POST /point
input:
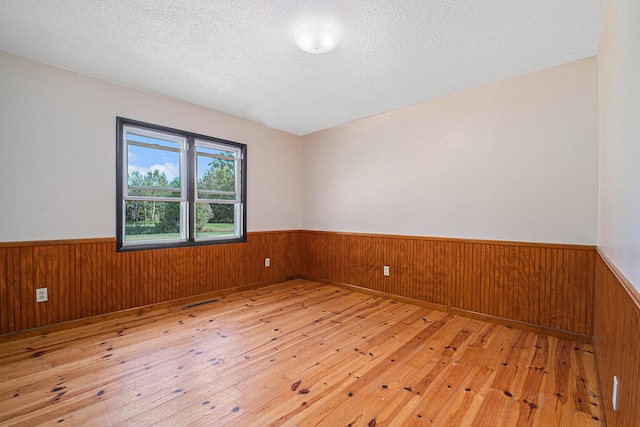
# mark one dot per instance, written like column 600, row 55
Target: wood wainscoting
column 88, row 277
column 540, row 285
column 617, row 342
column 547, row 285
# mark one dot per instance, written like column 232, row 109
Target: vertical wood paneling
column 26, row 278
column 546, row 285
column 121, row 286
column 88, row 277
column 4, row 290
column 591, row 286
column 11, row 288
column 561, row 267
column 6, row 277
column 538, row 284
column 617, row 343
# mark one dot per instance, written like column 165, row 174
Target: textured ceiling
column 239, row 56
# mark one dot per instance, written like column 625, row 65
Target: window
column 177, row 188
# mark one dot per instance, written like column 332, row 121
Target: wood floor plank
column 298, row 353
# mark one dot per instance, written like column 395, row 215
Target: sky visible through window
column 144, row 159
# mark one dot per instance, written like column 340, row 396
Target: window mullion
column 154, row 146
column 219, row 202
column 153, row 199
column 238, row 182
column 191, row 189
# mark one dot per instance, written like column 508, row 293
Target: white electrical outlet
column 614, row 397
column 386, row 270
column 42, row 295
column 267, row 262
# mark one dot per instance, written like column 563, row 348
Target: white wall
column 515, row 160
column 57, row 153
column 619, row 60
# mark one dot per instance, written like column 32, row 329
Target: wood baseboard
column 48, row 329
column 567, row 335
column 44, row 330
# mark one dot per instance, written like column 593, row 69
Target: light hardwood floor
column 298, row 354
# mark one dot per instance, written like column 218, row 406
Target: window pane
column 150, row 170
column 217, row 177
column 215, row 219
column 152, row 221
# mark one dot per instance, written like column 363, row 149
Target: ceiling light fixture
column 317, row 38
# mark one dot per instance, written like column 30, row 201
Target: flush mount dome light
column 316, row 38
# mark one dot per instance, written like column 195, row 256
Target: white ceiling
column 239, row 56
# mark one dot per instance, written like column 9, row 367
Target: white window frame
column 237, row 200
